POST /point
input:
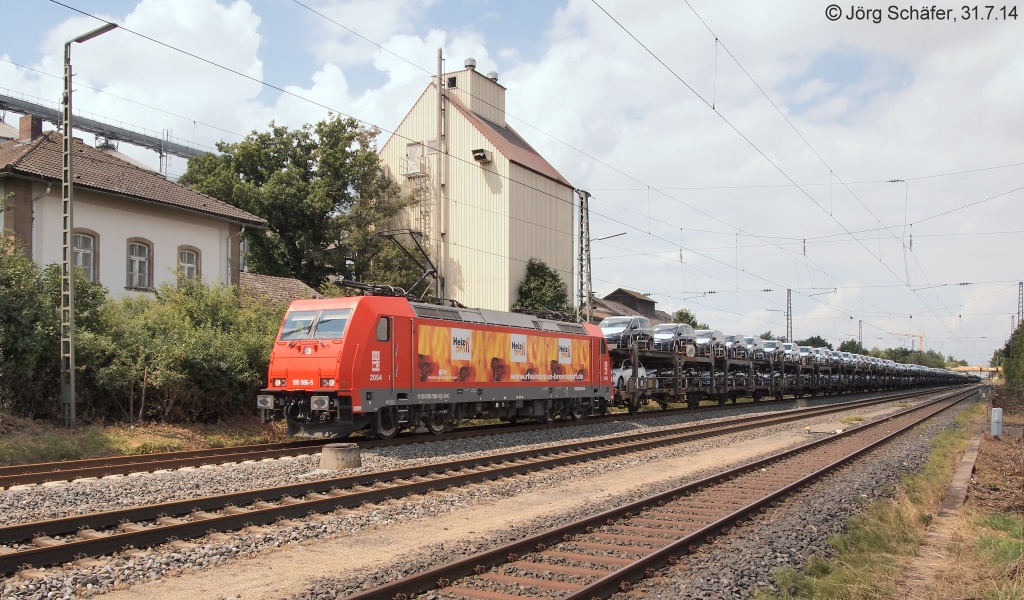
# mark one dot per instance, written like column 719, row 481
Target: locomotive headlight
column 319, row 402
column 279, row 382
column 327, row 382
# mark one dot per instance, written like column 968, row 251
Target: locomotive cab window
column 331, row 324
column 315, row 324
column 297, row 324
column 383, row 329
column 604, row 347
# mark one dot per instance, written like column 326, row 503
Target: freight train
column 384, row 363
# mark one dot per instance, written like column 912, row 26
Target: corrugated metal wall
column 541, row 224
column 483, row 96
column 477, row 224
column 493, row 225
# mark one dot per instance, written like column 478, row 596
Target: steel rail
column 342, row 493
column 620, row 579
column 120, row 465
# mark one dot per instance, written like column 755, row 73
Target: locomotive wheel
column 436, row 422
column 576, row 409
column 386, row 424
column 549, row 413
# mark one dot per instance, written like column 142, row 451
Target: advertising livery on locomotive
column 385, row 363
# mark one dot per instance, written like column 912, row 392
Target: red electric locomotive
column 385, row 363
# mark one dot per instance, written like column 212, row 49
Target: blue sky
column 708, row 197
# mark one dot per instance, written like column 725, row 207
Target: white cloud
column 913, row 99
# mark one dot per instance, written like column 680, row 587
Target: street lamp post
column 67, row 290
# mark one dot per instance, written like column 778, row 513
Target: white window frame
column 190, row 271
column 85, row 258
column 140, row 265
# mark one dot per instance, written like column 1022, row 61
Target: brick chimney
column 30, row 127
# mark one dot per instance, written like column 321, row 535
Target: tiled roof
column 510, row 143
column 274, row 290
column 612, row 307
column 97, row 170
column 636, row 295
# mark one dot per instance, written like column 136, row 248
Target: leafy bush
column 192, row 353
column 30, row 330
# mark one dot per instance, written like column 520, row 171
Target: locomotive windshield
column 315, row 324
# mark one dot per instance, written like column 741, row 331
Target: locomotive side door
column 403, row 356
column 382, row 355
column 601, row 362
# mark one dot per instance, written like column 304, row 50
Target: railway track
column 119, row 465
column 608, row 553
column 50, row 542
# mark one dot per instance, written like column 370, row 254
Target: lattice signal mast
column 789, row 316
column 584, row 311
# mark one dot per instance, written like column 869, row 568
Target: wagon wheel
column 692, row 400
column 386, row 423
column 634, row 404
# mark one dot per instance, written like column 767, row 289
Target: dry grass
column 24, row 441
column 850, row 420
column 988, row 546
column 986, row 557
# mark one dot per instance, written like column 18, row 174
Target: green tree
column 997, row 358
column 768, row 335
column 685, row 315
column 320, row 189
column 853, row 346
column 1013, row 360
column 952, row 361
column 815, row 341
column 542, row 289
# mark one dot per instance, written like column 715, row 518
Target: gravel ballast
column 118, row 572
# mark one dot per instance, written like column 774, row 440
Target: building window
column 85, row 250
column 188, row 262
column 140, row 264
